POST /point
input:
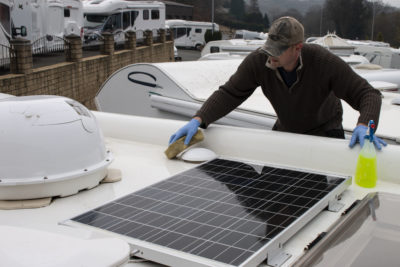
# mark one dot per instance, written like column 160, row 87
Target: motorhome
column 190, row 34
column 120, row 16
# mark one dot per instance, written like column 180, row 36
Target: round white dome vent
column 50, row 146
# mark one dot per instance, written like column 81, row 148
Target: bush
column 209, row 36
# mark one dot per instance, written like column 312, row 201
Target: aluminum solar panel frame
column 221, row 213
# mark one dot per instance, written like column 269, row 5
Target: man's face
column 287, row 59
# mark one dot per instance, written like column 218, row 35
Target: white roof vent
column 50, row 146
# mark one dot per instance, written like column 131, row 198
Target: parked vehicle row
column 35, row 19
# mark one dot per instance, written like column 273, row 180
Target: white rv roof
column 237, row 45
column 179, row 22
column 109, row 6
column 138, row 144
column 331, row 41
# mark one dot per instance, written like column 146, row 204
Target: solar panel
column 220, row 213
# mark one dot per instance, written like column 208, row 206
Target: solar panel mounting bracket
column 334, row 205
column 277, row 257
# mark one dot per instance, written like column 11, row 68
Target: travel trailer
column 120, row 16
column 190, row 34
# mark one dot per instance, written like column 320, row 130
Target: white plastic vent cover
column 50, row 146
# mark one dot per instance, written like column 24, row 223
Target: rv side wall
column 121, row 21
column 189, row 35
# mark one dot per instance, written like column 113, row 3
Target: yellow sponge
column 178, row 146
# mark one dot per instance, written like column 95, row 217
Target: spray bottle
column 366, row 166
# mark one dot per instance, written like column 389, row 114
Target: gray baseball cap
column 283, row 33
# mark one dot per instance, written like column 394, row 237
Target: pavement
column 189, row 54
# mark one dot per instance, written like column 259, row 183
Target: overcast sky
column 395, row 3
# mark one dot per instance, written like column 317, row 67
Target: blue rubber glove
column 359, row 136
column 189, row 130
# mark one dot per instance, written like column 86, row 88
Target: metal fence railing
column 6, row 54
column 49, row 44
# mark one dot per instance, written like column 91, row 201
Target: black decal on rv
column 154, row 85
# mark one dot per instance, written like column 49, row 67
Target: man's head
column 283, row 33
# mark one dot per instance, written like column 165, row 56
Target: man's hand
column 189, row 130
column 359, row 136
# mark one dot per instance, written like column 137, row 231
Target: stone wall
column 81, row 79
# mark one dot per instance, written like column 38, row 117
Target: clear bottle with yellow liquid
column 366, row 175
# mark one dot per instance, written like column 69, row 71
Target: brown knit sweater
column 311, row 105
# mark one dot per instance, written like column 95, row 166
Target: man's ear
column 299, row 46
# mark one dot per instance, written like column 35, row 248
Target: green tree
column 254, row 8
column 314, row 22
column 349, row 17
column 379, row 37
column 237, row 9
column 266, row 21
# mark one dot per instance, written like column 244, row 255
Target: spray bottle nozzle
column 371, row 130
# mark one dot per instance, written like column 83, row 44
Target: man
column 303, row 82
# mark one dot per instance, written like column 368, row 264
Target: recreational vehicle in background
column 231, row 47
column 52, row 19
column 120, row 16
column 378, row 53
column 250, row 35
column 190, row 34
column 73, row 17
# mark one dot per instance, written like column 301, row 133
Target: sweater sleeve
column 355, row 90
column 230, row 95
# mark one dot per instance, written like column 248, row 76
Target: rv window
column 113, row 23
column 188, row 31
column 214, row 49
column 155, row 14
column 126, row 20
column 145, row 14
column 134, row 15
column 96, row 18
column 67, row 13
column 198, row 31
column 180, row 32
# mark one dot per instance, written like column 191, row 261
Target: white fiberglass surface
column 139, row 154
